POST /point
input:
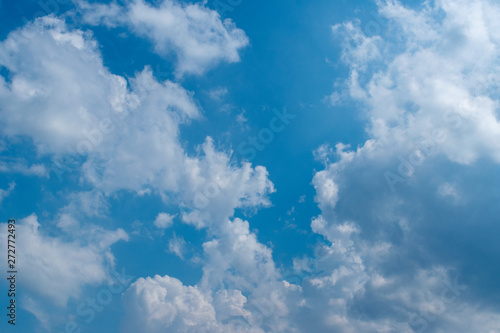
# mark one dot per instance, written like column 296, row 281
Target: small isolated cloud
column 241, row 119
column 447, row 190
column 164, row 220
column 177, row 246
column 6, row 192
column 218, row 93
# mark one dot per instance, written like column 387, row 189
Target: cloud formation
column 194, row 33
column 57, row 269
column 428, row 92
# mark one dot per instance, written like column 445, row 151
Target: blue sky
column 286, row 166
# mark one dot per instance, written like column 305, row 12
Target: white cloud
column 56, row 270
column 164, row 220
column 68, row 223
column 97, row 118
column 326, row 190
column 218, row 93
column 5, row 193
column 450, row 191
column 177, row 246
column 240, row 250
column 22, row 167
column 240, row 291
column 241, row 119
column 128, row 136
column 123, row 136
column 50, row 68
column 379, row 264
column 195, row 33
column 323, row 153
column 165, row 303
column 358, row 49
column 86, row 203
column 217, row 188
column 387, row 257
column 428, row 88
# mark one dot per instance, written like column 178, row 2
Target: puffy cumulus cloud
column 55, row 269
column 57, row 87
column 207, row 187
column 126, row 135
column 398, row 253
column 363, row 284
column 143, row 148
column 195, row 33
column 236, row 260
column 164, row 303
column 240, row 291
column 119, row 134
column 164, row 220
column 336, row 279
column 240, row 281
column 59, row 94
column 439, row 79
column 216, row 187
